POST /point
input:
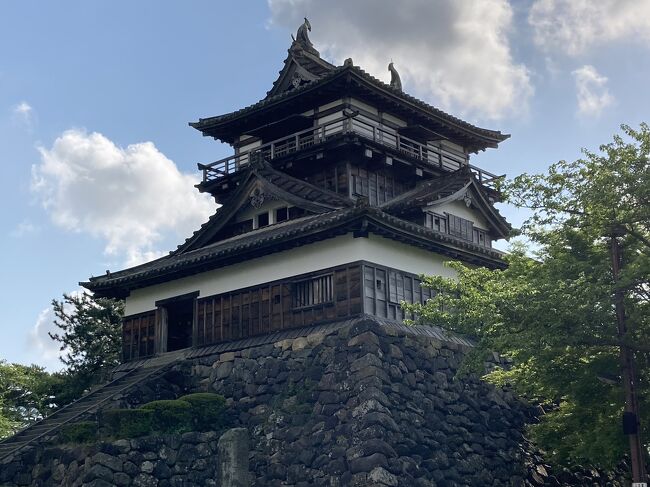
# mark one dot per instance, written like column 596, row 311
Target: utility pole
column 631, row 415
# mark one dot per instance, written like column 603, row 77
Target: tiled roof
column 268, row 239
column 285, row 187
column 240, row 243
column 302, row 188
column 431, row 189
column 496, row 136
column 309, row 61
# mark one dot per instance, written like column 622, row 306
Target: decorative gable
column 263, row 188
column 302, row 65
column 458, row 194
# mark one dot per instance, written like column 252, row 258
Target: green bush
column 81, row 432
column 170, row 416
column 127, row 423
column 207, row 410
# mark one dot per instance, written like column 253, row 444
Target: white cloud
column 455, row 54
column 591, row 90
column 46, row 350
column 23, row 229
column 131, row 197
column 23, row 113
column 575, row 26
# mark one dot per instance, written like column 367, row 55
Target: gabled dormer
column 456, row 204
column 263, row 197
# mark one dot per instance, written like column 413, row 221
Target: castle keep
column 341, row 191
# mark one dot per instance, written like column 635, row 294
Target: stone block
column 233, row 450
column 381, row 476
column 367, row 464
column 161, row 470
column 367, row 360
column 97, row 483
column 367, row 407
column 121, row 479
column 227, row 357
column 145, row 480
column 98, row 471
column 122, row 446
column 130, row 468
column 299, row 344
column 367, row 339
column 114, row 463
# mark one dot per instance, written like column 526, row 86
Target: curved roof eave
column 490, row 138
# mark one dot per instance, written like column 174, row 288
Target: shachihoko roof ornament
column 395, row 80
column 302, row 37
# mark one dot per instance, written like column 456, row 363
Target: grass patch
column 192, row 412
column 169, row 416
column 81, row 432
column 207, row 411
column 127, row 423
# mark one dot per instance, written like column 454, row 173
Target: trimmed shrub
column 127, row 423
column 207, row 410
column 81, row 432
column 169, row 416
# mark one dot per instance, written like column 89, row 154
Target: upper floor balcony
column 437, row 155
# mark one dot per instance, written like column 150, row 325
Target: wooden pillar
column 161, row 330
column 195, row 322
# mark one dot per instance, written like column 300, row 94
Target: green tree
column 24, row 396
column 90, row 341
column 554, row 314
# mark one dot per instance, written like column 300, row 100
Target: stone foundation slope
column 361, row 402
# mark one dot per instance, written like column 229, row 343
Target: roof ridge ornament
column 395, row 81
column 302, row 38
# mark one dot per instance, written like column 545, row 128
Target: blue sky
column 98, row 161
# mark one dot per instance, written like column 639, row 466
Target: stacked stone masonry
column 360, row 405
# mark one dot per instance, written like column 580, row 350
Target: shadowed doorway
column 178, row 313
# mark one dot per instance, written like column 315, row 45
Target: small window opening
column 281, row 214
column 312, row 292
column 262, row 220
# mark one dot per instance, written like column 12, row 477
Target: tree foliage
column 24, row 396
column 554, row 314
column 90, row 337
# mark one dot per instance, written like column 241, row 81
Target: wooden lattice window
column 312, row 292
column 482, row 238
column 436, row 222
column 460, row 227
column 138, row 335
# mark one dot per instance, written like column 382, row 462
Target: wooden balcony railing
column 442, row 157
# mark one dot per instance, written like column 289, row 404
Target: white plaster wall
column 369, row 108
column 452, row 145
column 250, row 146
column 327, row 106
column 308, row 258
column 328, row 118
column 390, row 118
column 249, row 212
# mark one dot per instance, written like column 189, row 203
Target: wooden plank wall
column 138, row 336
column 386, row 288
column 333, row 178
column 271, row 307
column 379, row 186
